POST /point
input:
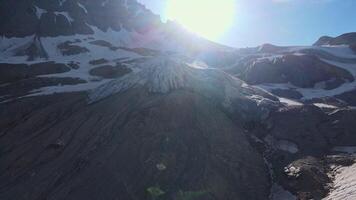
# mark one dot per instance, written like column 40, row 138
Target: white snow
column 66, row 15
column 82, row 7
column 159, row 74
column 162, row 74
column 318, row 91
column 344, row 184
column 283, row 145
column 66, row 88
column 323, row 105
column 40, row 12
column 289, row 102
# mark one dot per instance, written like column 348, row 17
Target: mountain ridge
column 114, row 104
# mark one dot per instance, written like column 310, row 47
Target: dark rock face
column 125, row 146
column 302, row 71
column 353, row 47
column 341, row 128
column 50, row 18
column 347, row 38
column 108, row 71
column 104, row 43
column 68, row 48
column 300, row 125
column 32, row 50
column 26, row 86
column 349, row 97
column 15, row 72
column 98, row 61
column 314, row 131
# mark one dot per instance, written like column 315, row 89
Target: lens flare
column 208, row 18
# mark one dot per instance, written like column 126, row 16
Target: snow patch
column 344, row 184
column 82, row 7
column 323, row 105
column 283, row 145
column 289, row 102
column 40, row 12
column 66, row 88
column 66, row 15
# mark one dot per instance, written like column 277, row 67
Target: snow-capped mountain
column 80, row 34
column 101, row 100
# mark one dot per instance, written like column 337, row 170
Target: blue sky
column 282, row 22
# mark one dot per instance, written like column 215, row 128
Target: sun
column 208, row 18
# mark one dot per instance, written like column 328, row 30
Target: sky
column 279, row 22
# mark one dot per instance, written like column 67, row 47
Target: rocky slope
column 101, row 100
column 344, row 39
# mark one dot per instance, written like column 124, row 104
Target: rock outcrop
column 344, row 39
column 302, row 71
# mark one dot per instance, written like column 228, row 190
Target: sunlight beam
column 208, row 18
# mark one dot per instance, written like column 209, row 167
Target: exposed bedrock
column 16, row 72
column 302, row 71
column 129, row 146
column 344, row 39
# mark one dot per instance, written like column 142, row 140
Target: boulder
column 307, row 178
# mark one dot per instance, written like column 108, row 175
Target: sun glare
column 208, row 18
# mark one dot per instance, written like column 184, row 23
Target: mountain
column 101, row 100
column 344, row 39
